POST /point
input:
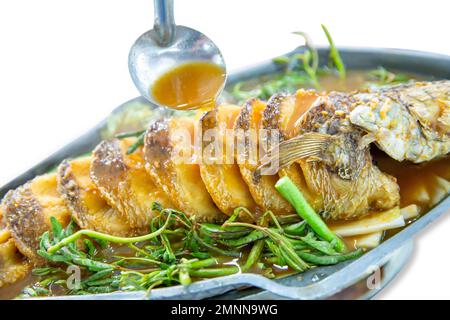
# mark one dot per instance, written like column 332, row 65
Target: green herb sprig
column 335, row 57
column 140, row 135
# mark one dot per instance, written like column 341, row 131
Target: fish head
column 409, row 121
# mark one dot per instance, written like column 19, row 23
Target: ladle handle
column 164, row 21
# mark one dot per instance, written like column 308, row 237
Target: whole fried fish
column 323, row 146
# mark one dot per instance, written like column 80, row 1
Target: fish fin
column 366, row 140
column 308, row 145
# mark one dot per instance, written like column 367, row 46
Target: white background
column 63, row 68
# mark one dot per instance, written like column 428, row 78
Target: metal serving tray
column 318, row 283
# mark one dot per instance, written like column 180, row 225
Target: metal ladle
column 167, row 46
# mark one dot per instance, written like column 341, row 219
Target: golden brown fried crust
column 208, row 121
column 262, row 189
column 244, row 118
column 271, row 115
column 29, row 209
column 108, row 171
column 26, row 221
column 108, row 168
column 5, row 234
column 124, row 182
column 157, row 153
column 70, row 191
column 223, row 180
column 13, row 266
column 2, row 215
column 157, row 140
column 272, row 120
column 177, row 174
column 344, row 175
column 84, row 201
column 345, row 155
column 339, row 179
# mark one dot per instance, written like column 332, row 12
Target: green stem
column 184, row 277
column 288, row 219
column 203, row 263
column 106, row 237
column 129, row 134
column 139, row 142
column 288, row 252
column 214, row 230
column 139, row 250
column 251, row 237
column 329, row 260
column 136, row 259
column 294, row 196
column 254, row 254
column 283, row 243
column 236, row 213
column 296, row 228
column 214, row 248
column 214, row 272
column 334, row 54
column 183, row 274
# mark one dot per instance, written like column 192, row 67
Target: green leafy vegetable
column 177, row 250
column 140, row 135
column 304, row 70
column 335, row 57
column 382, row 77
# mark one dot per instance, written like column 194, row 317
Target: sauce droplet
column 192, row 85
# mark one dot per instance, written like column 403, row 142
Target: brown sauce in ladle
column 193, row 85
